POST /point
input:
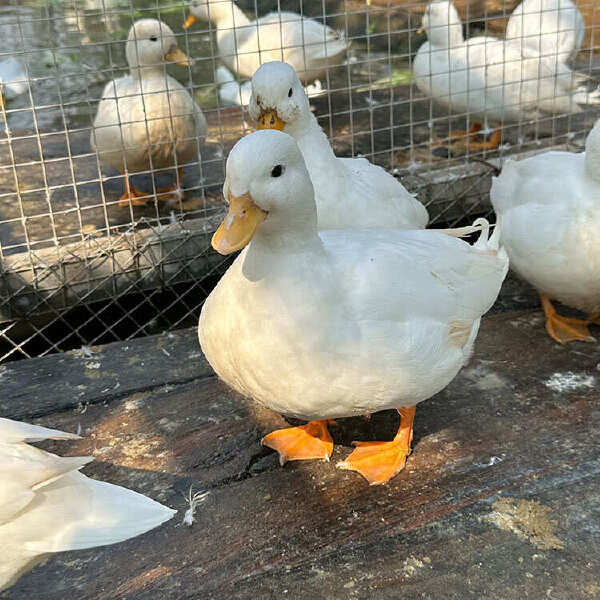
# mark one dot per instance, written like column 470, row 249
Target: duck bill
column 189, row 21
column 179, row 57
column 269, row 120
column 239, row 226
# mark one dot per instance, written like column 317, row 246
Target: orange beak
column 239, row 225
column 189, row 21
column 179, row 57
column 269, row 120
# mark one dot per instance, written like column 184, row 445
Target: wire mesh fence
column 109, row 192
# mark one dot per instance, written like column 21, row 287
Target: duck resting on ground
column 339, row 323
column 48, row 506
column 552, row 29
column 490, row 79
column 244, row 45
column 148, row 120
column 550, row 210
column 351, row 193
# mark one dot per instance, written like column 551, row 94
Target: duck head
column 268, row 189
column 442, row 24
column 209, row 10
column 151, row 43
column 278, row 99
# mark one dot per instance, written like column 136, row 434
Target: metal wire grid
column 64, row 207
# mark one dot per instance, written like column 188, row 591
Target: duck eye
column 290, row 93
column 153, row 38
column 276, row 171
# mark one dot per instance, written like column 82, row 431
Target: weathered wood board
column 500, row 498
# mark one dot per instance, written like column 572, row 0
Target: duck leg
column 492, row 143
column 172, row 192
column 301, row 443
column 461, row 134
column 564, row 329
column 378, row 462
column 131, row 195
column 594, row 318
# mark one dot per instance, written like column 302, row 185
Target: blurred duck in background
column 13, row 79
column 309, row 46
column 550, row 210
column 48, row 506
column 351, row 193
column 551, row 29
column 148, row 120
column 490, row 79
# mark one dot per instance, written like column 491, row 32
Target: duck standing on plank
column 48, row 506
column 351, row 193
column 309, row 46
column 148, row 120
column 320, row 325
column 550, row 210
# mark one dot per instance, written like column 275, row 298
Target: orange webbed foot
column 134, row 197
column 594, row 318
column 172, row 192
column 565, row 329
column 307, row 442
column 378, row 462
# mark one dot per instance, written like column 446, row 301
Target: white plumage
column 343, row 322
column 550, row 210
column 244, row 44
column 351, row 193
column 491, row 79
column 148, row 120
column 47, row 506
column 13, row 78
column 553, row 29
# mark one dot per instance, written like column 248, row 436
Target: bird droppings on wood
column 528, row 519
column 569, row 381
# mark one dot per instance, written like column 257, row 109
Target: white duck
column 13, row 79
column 550, row 210
column 47, row 506
column 148, row 120
column 341, row 322
column 233, row 93
column 488, row 78
column 351, row 193
column 244, row 45
column 553, row 29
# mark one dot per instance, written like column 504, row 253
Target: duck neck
column 300, row 245
column 139, row 73
column 227, row 15
column 313, row 143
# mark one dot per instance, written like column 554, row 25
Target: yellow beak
column 189, row 21
column 178, row 57
column 420, row 31
column 269, row 120
column 239, row 225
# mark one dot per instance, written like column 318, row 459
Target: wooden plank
column 499, row 499
column 99, row 374
column 100, row 268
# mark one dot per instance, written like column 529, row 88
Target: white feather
column 349, row 192
column 550, row 210
column 309, row 46
column 341, row 322
column 47, row 506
